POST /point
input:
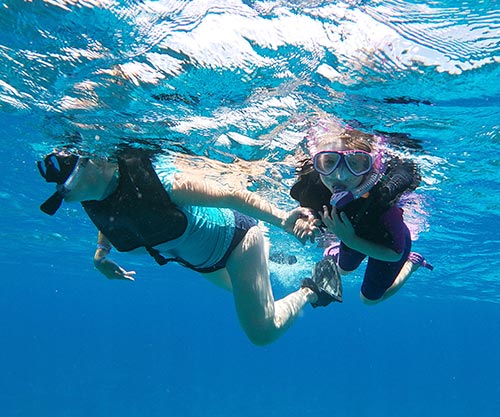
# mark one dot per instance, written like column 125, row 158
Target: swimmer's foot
column 419, row 261
column 325, row 282
column 332, row 250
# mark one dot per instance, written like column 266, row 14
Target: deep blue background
column 76, row 344
column 73, row 344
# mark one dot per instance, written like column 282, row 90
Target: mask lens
column 54, row 163
column 359, row 163
column 42, row 168
column 57, row 167
column 51, row 167
column 326, row 162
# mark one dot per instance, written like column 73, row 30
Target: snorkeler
column 138, row 206
column 356, row 194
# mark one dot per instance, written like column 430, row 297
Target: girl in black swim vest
column 354, row 191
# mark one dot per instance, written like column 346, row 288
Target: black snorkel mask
column 57, row 167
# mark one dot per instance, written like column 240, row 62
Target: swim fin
column 325, row 282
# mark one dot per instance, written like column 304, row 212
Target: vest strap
column 158, row 257
column 161, row 260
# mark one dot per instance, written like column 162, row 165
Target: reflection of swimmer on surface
column 184, row 218
column 355, row 193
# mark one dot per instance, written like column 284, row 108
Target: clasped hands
column 305, row 226
column 302, row 224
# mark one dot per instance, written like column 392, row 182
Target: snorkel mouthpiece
column 52, row 204
column 341, row 197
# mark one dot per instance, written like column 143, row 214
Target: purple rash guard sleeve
column 393, row 221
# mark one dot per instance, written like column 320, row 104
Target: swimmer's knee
column 261, row 330
column 260, row 337
column 370, row 301
column 260, row 341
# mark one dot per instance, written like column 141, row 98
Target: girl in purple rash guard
column 355, row 193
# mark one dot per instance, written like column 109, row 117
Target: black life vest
column 364, row 213
column 139, row 213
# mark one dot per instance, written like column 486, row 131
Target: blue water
column 234, row 82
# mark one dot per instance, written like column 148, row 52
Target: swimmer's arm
column 373, row 250
column 342, row 228
column 103, row 247
column 106, row 266
column 196, row 191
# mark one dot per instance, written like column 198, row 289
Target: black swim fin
column 325, row 282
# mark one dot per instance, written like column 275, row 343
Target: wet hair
column 328, row 129
column 323, row 131
column 355, row 139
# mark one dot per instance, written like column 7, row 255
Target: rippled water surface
column 236, row 82
column 235, row 79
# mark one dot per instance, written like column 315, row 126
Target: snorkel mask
column 62, row 168
column 358, row 162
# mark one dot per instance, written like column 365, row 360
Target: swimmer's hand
column 302, row 224
column 112, row 270
column 339, row 225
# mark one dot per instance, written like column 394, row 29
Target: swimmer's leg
column 413, row 262
column 262, row 319
column 220, row 278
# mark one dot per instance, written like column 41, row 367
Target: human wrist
column 102, row 250
column 282, row 218
column 103, row 247
column 99, row 259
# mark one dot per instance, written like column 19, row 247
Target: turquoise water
column 235, row 82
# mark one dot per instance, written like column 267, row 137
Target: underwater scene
column 231, row 89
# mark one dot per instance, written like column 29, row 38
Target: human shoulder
column 166, row 169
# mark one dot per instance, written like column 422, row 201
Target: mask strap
column 66, row 187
